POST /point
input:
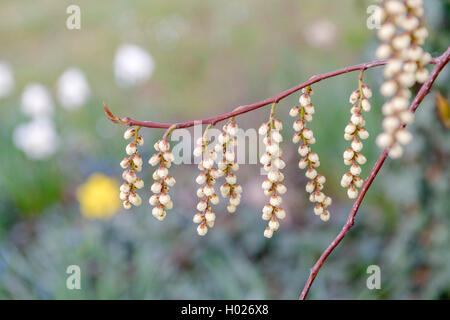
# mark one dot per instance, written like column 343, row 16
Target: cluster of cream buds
column 160, row 198
column 402, row 34
column 310, row 160
column 355, row 131
column 227, row 141
column 206, row 217
column 273, row 163
column 132, row 164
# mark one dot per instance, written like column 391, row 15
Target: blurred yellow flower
column 99, row 197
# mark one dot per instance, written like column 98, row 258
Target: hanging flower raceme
column 356, row 132
column 402, row 34
column 132, row 164
column 207, row 178
column 227, row 142
column 310, row 160
column 160, row 200
column 272, row 161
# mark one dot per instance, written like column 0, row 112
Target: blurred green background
column 211, row 56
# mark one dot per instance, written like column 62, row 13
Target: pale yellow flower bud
column 357, row 145
column 231, row 208
column 325, row 216
column 274, row 224
column 135, row 199
column 129, row 133
column 352, row 192
column 125, row 163
column 201, row 206
column 202, row 230
column 126, row 205
column 131, row 148
column 268, row 233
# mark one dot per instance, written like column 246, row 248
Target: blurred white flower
column 132, row 65
column 321, row 34
column 6, row 79
column 37, row 138
column 36, row 100
column 73, row 89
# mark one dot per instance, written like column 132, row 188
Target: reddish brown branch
column 246, row 108
column 424, row 90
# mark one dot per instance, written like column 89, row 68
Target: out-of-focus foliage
column 211, row 56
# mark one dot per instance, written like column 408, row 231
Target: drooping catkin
column 402, row 34
column 227, row 142
column 356, row 132
column 134, row 164
column 160, row 200
column 207, row 178
column 272, row 161
column 310, row 160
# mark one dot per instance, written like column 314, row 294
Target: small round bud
column 318, row 209
column 164, row 198
column 348, row 154
column 303, row 163
column 313, row 157
column 125, row 163
column 154, row 160
column 263, row 129
column 354, row 97
column 274, row 224
column 361, row 159
column 198, row 151
column 275, row 200
column 139, row 183
column 384, row 140
column 135, row 199
column 129, row 133
column 303, row 150
column 403, row 136
column 350, row 128
column 352, row 192
column 310, row 187
column 280, row 213
column 202, row 230
column 294, row 111
column 210, row 216
column 157, row 211
column 268, row 233
column 395, row 151
column 356, row 145
column 363, row 133
column 201, row 206
column 131, row 148
column 153, row 200
column 231, row 208
column 311, row 173
column 163, row 145
column 325, row 216
column 365, row 104
column 281, row 188
column 355, row 170
column 156, row 187
column 126, row 205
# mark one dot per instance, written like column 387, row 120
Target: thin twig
column 424, row 90
column 246, row 108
